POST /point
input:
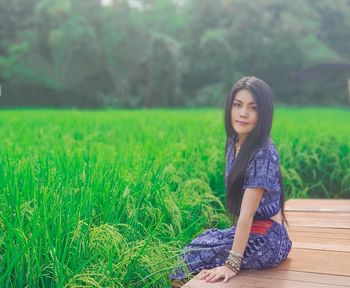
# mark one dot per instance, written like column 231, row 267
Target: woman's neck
column 241, row 139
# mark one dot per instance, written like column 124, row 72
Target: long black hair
column 255, row 140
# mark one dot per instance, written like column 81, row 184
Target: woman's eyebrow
column 242, row 102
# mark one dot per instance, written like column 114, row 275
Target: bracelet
column 235, row 254
column 233, row 268
column 234, row 261
column 237, row 258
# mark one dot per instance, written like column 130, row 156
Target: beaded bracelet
column 233, row 268
column 235, row 254
column 234, row 261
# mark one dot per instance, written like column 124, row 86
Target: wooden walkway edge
column 320, row 255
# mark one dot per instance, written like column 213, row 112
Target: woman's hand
column 218, row 272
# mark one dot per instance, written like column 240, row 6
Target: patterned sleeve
column 263, row 170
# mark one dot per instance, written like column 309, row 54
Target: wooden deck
column 320, row 255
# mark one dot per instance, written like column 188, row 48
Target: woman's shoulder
column 267, row 152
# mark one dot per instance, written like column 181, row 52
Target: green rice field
column 109, row 198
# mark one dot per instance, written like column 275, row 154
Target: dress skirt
column 268, row 245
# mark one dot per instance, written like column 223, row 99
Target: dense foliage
column 165, row 53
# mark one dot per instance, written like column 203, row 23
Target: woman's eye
column 254, row 107
column 236, row 104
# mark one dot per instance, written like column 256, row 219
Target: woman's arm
column 250, row 202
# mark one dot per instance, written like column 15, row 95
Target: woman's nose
column 244, row 112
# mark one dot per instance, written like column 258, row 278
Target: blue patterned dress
column 268, row 243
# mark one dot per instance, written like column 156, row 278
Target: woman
column 254, row 194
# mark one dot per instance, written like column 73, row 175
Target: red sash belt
column 260, row 226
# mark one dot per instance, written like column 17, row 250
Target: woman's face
column 244, row 113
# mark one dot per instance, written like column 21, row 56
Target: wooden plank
column 336, row 205
column 330, row 232
column 319, row 223
column 321, row 246
column 317, row 261
column 318, row 219
column 299, row 276
column 321, row 241
column 315, row 214
column 315, row 232
column 314, row 238
column 273, row 279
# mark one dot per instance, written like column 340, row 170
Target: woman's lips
column 242, row 123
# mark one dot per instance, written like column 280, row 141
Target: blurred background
column 171, row 53
column 109, row 197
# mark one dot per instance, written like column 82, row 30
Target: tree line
column 171, row 53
